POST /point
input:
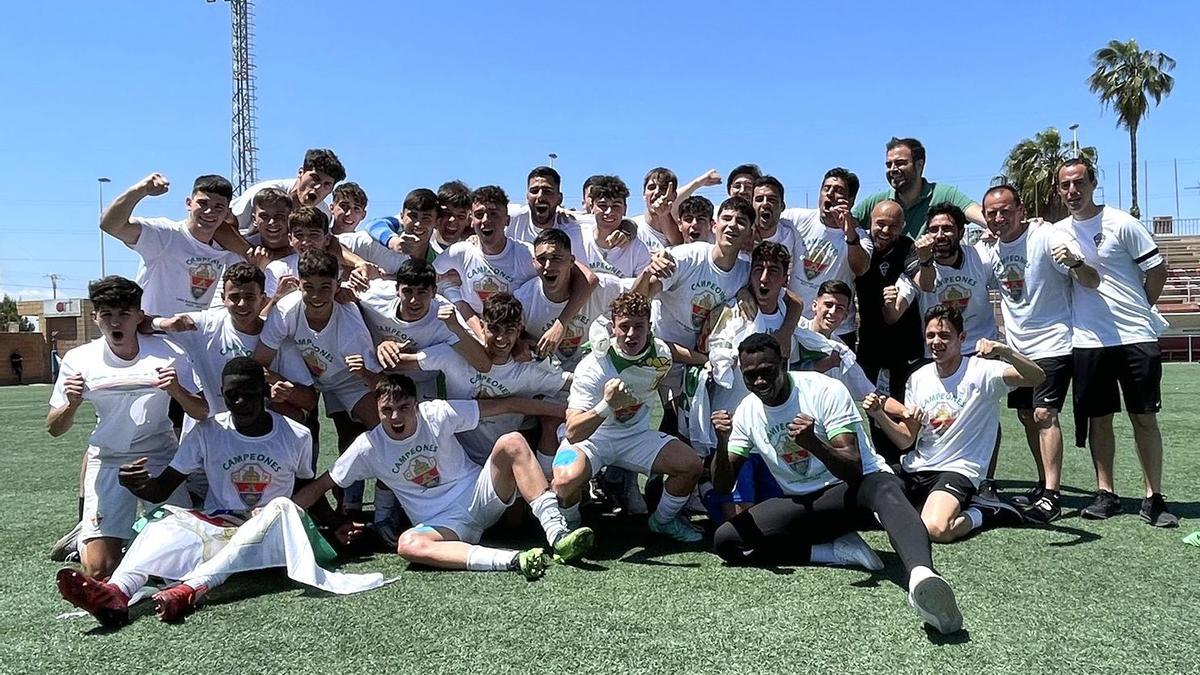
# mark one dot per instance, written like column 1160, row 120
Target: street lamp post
column 101, row 181
column 1074, row 140
column 553, row 156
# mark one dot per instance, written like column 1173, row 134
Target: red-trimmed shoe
column 101, row 599
column 174, row 603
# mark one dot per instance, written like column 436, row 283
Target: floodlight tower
column 244, row 147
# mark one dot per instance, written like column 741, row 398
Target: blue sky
column 413, row 94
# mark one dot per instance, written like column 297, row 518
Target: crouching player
column 252, row 458
column 608, row 421
column 451, row 499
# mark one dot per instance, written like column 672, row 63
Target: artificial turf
column 1080, row 596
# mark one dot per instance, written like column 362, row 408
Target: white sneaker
column 850, row 549
column 933, row 600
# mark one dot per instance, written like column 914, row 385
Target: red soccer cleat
column 101, row 599
column 174, row 603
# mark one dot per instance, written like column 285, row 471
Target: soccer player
column 602, row 246
column 180, row 266
column 830, row 309
column 349, row 208
column 387, row 242
column 905, row 166
column 1115, row 339
column 252, row 458
column 272, row 207
column 807, row 429
column 768, row 205
column 308, row 230
column 955, row 426
column 740, row 182
column 130, row 379
column 541, row 211
column 314, row 181
column 454, row 222
column 450, row 498
column 696, row 219
column 608, row 421
column 656, row 228
column 1035, row 294
column 215, row 336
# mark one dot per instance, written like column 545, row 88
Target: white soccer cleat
column 933, row 600
column 850, row 549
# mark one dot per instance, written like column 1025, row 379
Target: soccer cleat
column 1030, row 498
column 1105, row 505
column 1154, row 511
column 101, row 599
column 988, row 490
column 675, row 528
column 850, row 549
column 997, row 512
column 176, row 602
column 933, row 600
column 66, row 544
column 532, row 563
column 1045, row 510
column 573, row 545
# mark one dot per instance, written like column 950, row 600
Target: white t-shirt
column 287, row 266
column 625, row 261
column 528, row 379
column 363, row 245
column 323, row 351
column 762, row 429
column 820, row 254
column 641, row 375
column 429, row 471
column 242, row 206
column 540, row 313
column 697, row 288
column 1035, row 292
column 1118, row 312
column 381, row 310
column 965, row 287
column 485, row 275
column 522, row 229
column 215, row 342
column 651, row 238
column 177, row 272
column 726, row 331
column 964, row 416
column 245, row 472
column 131, row 413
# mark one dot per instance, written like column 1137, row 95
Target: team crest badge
column 1098, row 239
column 942, row 418
column 202, row 274
column 1012, row 281
column 315, row 366
column 489, row 286
column 424, row 472
column 958, row 297
column 883, row 268
column 251, row 482
column 702, row 305
column 818, row 258
column 796, row 457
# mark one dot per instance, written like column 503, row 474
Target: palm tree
column 1031, row 166
column 1125, row 78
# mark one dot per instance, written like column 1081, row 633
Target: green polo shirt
column 916, row 213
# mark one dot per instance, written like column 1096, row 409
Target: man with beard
column 1115, row 337
column 543, row 197
column 314, row 181
column 905, row 165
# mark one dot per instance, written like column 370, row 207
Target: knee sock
column 483, row 559
column 975, row 517
column 545, row 509
column 669, row 506
column 128, row 582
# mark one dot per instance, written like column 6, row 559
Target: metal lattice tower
column 244, row 145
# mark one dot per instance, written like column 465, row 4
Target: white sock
column 545, row 509
column 823, row 554
column 547, row 463
column 484, row 559
column 128, row 582
column 919, row 574
column 975, row 517
column 669, row 506
column 572, row 515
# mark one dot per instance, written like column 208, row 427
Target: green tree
column 1125, row 79
column 9, row 314
column 1030, row 168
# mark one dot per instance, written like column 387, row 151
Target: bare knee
column 939, row 531
column 1045, row 418
column 413, row 547
column 1144, row 423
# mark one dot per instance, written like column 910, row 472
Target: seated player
column 252, row 458
column 608, row 421
column 807, row 429
column 956, row 400
column 451, row 499
column 130, row 379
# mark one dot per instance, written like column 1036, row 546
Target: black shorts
column 1104, row 374
column 1052, row 392
column 918, row 485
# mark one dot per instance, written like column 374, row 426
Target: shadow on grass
column 960, row 637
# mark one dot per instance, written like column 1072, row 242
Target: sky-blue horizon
column 410, row 96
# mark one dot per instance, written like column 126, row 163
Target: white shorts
column 485, row 509
column 110, row 510
column 343, row 396
column 635, row 452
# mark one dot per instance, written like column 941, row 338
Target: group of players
column 798, row 374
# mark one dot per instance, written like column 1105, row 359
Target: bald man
column 888, row 352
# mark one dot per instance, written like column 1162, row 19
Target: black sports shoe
column 997, row 512
column 1154, row 511
column 1030, row 498
column 1105, row 505
column 1045, row 510
column 988, row 491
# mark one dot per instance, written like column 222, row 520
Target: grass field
column 1081, row 596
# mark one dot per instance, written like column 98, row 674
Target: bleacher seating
column 1180, row 299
